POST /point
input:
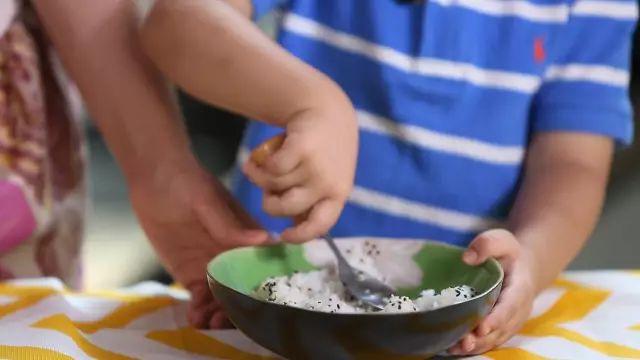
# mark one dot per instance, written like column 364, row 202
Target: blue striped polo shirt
column 448, row 94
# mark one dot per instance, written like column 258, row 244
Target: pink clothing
column 18, row 219
column 8, row 12
column 42, row 171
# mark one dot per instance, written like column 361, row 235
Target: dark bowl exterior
column 301, row 334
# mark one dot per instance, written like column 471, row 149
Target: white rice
column 321, row 290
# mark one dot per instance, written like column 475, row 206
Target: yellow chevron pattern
column 586, row 315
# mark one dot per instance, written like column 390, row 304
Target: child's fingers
column 498, row 243
column 281, row 183
column 484, row 343
column 505, row 310
column 497, row 337
column 256, row 174
column 293, row 202
column 286, row 159
column 468, row 343
column 465, row 346
column 455, row 349
column 271, row 183
column 322, row 216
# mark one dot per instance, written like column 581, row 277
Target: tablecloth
column 585, row 315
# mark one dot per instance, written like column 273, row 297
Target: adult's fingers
column 226, row 229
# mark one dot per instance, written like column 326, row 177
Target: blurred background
column 117, row 252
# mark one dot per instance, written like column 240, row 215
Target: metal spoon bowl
column 361, row 285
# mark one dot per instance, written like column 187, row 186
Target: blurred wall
column 616, row 241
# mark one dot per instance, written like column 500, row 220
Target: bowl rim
column 377, row 313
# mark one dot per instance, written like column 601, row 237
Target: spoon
column 365, row 288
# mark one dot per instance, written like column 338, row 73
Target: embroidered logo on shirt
column 539, row 53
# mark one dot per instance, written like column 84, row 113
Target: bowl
column 409, row 265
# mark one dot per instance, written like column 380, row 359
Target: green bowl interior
column 244, row 269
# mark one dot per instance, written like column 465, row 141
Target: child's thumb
column 498, row 243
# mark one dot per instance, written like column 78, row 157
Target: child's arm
column 561, row 199
column 214, row 52
column 555, row 212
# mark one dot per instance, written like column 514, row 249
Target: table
column 585, row 315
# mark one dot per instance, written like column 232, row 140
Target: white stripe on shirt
column 601, row 74
column 438, row 68
column 242, row 156
column 518, row 8
column 619, row 10
column 416, row 211
column 434, row 141
column 557, row 13
column 429, row 139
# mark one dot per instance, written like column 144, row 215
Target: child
column 488, row 124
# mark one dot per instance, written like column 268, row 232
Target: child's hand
column 309, row 173
column 515, row 301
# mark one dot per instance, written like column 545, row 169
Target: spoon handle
column 260, row 154
column 341, row 260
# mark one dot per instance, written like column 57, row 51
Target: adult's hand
column 190, row 217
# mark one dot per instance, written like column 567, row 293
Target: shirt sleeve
column 263, row 7
column 585, row 89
